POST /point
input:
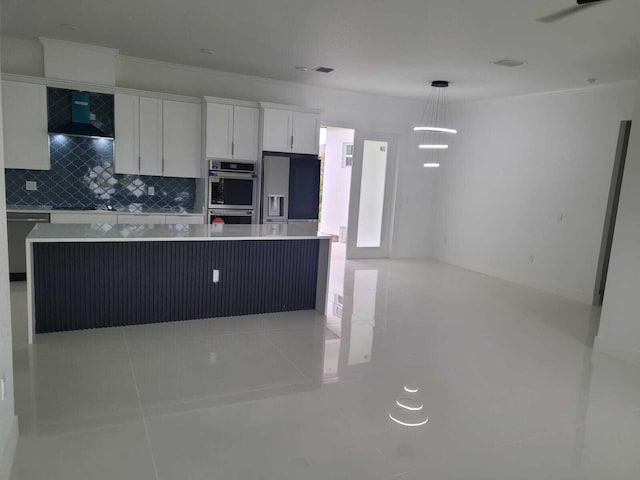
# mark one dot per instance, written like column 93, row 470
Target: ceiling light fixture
column 208, row 51
column 435, row 123
column 432, row 146
column 302, row 69
column 434, row 129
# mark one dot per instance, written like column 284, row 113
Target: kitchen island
column 105, row 275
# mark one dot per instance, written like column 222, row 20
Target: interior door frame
column 353, row 251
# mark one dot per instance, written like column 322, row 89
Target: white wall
column 8, row 421
column 340, row 108
column 528, row 178
column 620, row 321
column 337, row 182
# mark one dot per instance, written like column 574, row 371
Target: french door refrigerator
column 290, row 188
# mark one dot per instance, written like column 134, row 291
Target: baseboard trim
column 6, row 455
column 619, row 349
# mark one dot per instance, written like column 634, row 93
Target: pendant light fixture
column 435, row 123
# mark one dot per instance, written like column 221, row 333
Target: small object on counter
column 217, row 224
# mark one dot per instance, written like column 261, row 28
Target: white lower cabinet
column 98, row 218
column 141, row 219
column 184, row 219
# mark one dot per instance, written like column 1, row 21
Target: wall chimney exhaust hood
column 82, row 124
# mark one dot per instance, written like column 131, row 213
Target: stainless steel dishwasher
column 18, row 227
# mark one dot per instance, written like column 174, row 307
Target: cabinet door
column 246, row 122
column 127, row 128
column 182, row 139
column 150, row 136
column 26, row 142
column 184, row 219
column 96, row 218
column 306, row 133
column 219, row 131
column 138, row 219
column 277, row 130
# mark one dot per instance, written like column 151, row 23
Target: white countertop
column 51, row 233
column 47, row 209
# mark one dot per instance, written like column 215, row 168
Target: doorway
column 336, row 154
column 612, row 211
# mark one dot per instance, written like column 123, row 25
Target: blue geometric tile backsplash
column 82, row 177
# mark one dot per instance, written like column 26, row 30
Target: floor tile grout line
column 309, row 380
column 144, row 420
column 342, row 415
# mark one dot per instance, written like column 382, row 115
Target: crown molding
column 97, row 88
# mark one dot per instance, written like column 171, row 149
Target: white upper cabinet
column 290, row 131
column 246, row 121
column 151, row 136
column 219, row 131
column 231, row 131
column 277, row 130
column 306, row 133
column 157, row 137
column 182, row 133
column 127, row 134
column 26, row 141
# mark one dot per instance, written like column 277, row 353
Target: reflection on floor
column 507, row 376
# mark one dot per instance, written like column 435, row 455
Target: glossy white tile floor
column 507, row 375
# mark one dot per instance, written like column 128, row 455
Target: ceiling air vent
column 324, row 69
column 509, row 62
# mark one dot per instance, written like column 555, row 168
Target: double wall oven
column 232, row 192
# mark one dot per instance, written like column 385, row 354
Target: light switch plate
column 151, row 191
column 31, row 186
column 3, row 388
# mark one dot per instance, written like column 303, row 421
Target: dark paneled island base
column 92, row 284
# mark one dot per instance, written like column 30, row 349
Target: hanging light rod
column 427, row 146
column 431, row 165
column 434, row 129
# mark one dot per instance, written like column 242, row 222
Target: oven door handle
column 235, row 176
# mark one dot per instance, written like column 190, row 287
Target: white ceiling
column 387, row 47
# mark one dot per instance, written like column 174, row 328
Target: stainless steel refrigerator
column 290, row 188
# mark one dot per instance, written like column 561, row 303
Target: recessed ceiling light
column 302, row 69
column 69, row 26
column 208, row 51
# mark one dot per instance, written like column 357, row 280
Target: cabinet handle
column 139, row 164
column 233, row 148
column 162, row 165
column 292, row 142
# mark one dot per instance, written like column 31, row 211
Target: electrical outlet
column 31, row 186
column 151, row 191
column 216, row 276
